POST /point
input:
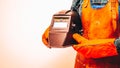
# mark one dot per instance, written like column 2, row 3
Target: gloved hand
column 45, row 37
column 97, row 48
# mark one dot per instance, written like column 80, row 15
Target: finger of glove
column 44, row 40
column 78, row 46
column 79, row 38
column 45, row 37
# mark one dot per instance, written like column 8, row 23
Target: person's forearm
column 97, row 51
column 96, row 48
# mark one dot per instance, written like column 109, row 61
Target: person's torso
column 99, row 23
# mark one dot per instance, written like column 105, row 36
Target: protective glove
column 97, row 48
column 45, row 37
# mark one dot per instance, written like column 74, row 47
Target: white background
column 22, row 23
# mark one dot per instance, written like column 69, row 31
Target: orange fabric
column 98, row 24
column 45, row 37
column 96, row 47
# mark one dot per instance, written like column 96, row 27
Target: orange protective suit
column 96, row 47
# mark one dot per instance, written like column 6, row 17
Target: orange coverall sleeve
column 95, row 48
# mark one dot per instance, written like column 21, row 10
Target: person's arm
column 97, row 48
column 75, row 5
